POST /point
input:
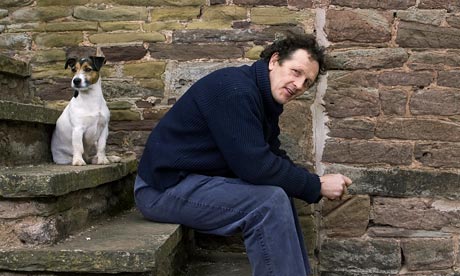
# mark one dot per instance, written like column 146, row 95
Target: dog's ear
column 70, row 62
column 97, row 62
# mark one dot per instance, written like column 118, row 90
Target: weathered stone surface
column 351, row 128
column 55, row 180
column 391, row 232
column 111, row 38
column 418, row 129
column 349, row 219
column 353, row 79
column 14, row 66
column 396, row 182
column 159, row 26
column 27, row 113
column 352, row 254
column 157, row 3
column 438, row 155
column 183, row 52
column 434, row 59
column 81, row 51
column 117, row 13
column 428, row 254
column 367, row 152
column 366, row 58
column 52, row 70
column 224, row 13
column 30, row 14
column 145, row 70
column 70, row 26
column 400, row 78
column 16, row 3
column 449, row 78
column 416, row 35
column 207, row 36
column 49, row 40
column 368, row 26
column 120, row 26
column 453, row 20
column 417, row 213
column 440, row 4
column 280, row 16
column 394, row 102
column 432, row 17
column 261, row 2
column 127, row 88
column 296, row 131
column 53, row 89
column 215, row 25
column 105, row 249
column 127, row 140
column 48, row 56
column 175, row 13
column 123, row 53
column 124, row 115
column 142, row 125
column 185, row 74
column 301, row 4
column 435, row 101
column 375, row 4
column 352, row 101
column 15, row 41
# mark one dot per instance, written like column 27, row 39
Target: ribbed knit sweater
column 226, row 124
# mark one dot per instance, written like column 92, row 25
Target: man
column 214, row 163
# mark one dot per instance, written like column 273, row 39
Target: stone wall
column 387, row 113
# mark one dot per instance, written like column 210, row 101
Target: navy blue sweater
column 226, row 124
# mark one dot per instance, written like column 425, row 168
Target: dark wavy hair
column 285, row 47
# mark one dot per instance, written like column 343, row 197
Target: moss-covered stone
column 120, row 26
column 124, row 115
column 157, row 3
column 158, row 26
column 145, row 70
column 224, row 13
column 56, row 180
column 117, row 13
column 51, row 55
column 49, row 40
column 13, row 66
column 175, row 13
column 254, row 52
column 71, row 26
column 209, row 25
column 117, row 105
column 31, row 14
column 110, row 38
column 278, row 16
column 27, row 113
column 45, row 3
column 53, row 70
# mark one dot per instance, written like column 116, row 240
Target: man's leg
column 224, row 206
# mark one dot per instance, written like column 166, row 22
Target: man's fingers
column 347, row 180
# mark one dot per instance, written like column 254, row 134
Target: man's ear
column 273, row 59
column 70, row 62
column 97, row 62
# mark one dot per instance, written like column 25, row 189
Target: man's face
column 291, row 78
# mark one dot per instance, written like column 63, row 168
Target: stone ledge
column 55, row 180
column 14, row 67
column 400, row 182
column 128, row 243
column 28, row 113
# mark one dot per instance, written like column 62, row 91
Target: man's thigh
column 209, row 203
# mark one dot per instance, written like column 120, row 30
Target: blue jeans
column 223, row 206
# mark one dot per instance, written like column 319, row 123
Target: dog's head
column 86, row 71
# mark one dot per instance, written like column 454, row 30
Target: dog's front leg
column 101, row 158
column 77, row 146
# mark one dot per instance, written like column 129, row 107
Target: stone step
column 126, row 244
column 215, row 263
column 26, row 131
column 45, row 203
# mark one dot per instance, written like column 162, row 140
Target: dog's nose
column 77, row 81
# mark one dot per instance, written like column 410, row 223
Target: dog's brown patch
column 86, row 68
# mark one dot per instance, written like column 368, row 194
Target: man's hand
column 333, row 186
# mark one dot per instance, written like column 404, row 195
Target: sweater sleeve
column 235, row 120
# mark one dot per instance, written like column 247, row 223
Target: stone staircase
column 81, row 220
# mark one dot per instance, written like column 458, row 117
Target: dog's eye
column 88, row 69
column 74, row 69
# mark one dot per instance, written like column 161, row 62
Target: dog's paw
column 78, row 162
column 100, row 160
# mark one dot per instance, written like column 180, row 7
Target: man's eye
column 296, row 72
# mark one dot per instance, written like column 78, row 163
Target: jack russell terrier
column 82, row 129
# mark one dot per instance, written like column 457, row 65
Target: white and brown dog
column 82, row 129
